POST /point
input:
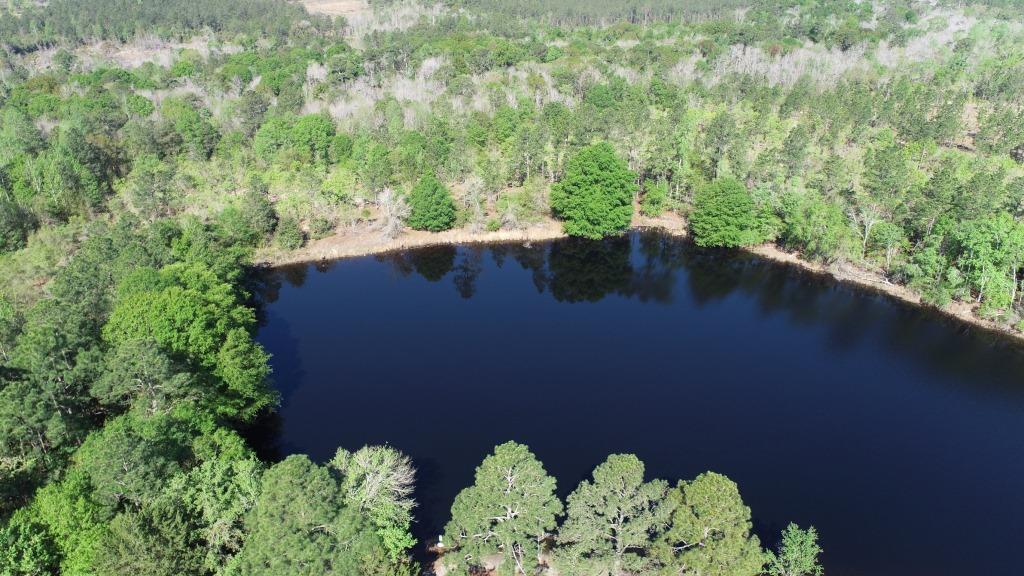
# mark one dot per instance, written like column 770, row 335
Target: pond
column 897, row 433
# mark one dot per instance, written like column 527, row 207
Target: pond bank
column 367, row 241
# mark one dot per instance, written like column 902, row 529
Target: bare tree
column 393, row 212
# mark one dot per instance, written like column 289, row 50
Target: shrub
column 289, row 234
column 320, row 227
column 15, row 226
column 654, row 200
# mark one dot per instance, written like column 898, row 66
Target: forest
column 151, row 153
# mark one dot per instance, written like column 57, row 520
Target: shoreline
column 357, row 242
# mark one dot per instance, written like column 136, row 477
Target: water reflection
column 829, row 404
column 649, row 266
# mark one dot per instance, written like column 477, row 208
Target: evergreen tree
column 709, row 533
column 431, row 206
column 595, row 197
column 612, row 521
column 508, row 511
column 724, row 215
column 798, row 553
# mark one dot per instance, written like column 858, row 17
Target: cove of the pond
column 896, row 432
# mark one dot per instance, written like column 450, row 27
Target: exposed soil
column 336, row 7
column 367, row 240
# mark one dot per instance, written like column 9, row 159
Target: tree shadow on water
column 587, row 270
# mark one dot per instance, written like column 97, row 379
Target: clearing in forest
column 336, row 7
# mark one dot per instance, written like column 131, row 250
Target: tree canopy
column 595, row 197
column 431, row 206
column 724, row 215
column 508, row 511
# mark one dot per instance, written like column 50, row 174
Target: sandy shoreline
column 367, row 242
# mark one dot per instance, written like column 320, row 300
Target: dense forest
column 152, row 152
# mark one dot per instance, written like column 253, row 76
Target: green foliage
column 815, row 227
column 379, row 481
column 198, row 136
column 149, row 188
column 251, row 220
column 156, row 541
column 25, row 548
column 190, row 312
column 289, row 234
column 989, row 253
column 300, row 525
column 15, row 226
column 138, row 374
column 74, row 520
column 595, row 197
column 709, row 532
column 508, row 511
column 611, row 522
column 655, row 199
column 724, row 215
column 219, row 493
column 139, row 105
column 798, row 553
column 47, row 24
column 313, row 134
column 131, row 458
column 10, row 325
column 431, row 206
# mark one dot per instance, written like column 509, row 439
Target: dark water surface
column 898, row 434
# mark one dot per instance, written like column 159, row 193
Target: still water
column 897, row 433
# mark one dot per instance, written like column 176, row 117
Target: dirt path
column 365, row 241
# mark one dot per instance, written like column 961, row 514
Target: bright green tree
column 26, row 548
column 595, row 197
column 219, row 493
column 431, row 206
column 655, row 198
column 990, row 254
column 313, row 134
column 190, row 312
column 611, row 522
column 508, row 511
column 798, row 553
column 75, row 520
column 724, row 215
column 814, row 225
